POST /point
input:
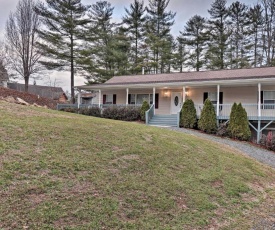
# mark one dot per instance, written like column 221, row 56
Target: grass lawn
column 68, row 171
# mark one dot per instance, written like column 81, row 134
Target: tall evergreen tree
column 239, row 35
column 63, row 21
column 255, row 23
column 180, row 55
column 194, row 37
column 219, row 34
column 269, row 31
column 107, row 45
column 134, row 21
column 158, row 26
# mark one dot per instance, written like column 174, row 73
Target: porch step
column 164, row 120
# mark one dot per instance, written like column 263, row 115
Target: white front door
column 176, row 102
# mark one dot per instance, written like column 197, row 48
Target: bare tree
column 21, row 37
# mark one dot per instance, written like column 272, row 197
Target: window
column 269, row 99
column 137, row 99
column 132, row 100
column 142, row 97
column 109, row 99
column 212, row 96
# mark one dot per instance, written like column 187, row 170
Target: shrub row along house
column 254, row 88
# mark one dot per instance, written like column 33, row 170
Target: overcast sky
column 185, row 9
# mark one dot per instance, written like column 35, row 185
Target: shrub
column 93, row 111
column 70, row 110
column 188, row 115
column 222, row 130
column 145, row 107
column 208, row 120
column 122, row 113
column 238, row 124
column 268, row 141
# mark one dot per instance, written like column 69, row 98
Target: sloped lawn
column 68, row 171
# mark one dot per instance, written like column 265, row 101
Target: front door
column 176, row 102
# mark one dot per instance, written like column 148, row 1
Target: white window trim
column 136, row 94
column 112, row 99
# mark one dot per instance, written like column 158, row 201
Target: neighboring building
column 4, row 77
column 54, row 93
column 254, row 88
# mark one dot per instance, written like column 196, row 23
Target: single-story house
column 254, row 88
column 54, row 93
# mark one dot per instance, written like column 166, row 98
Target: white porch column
column 154, row 98
column 259, row 100
column 99, row 98
column 218, row 100
column 127, row 93
column 183, row 94
column 79, row 98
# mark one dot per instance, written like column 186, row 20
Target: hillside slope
column 67, row 171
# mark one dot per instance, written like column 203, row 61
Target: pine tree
column 208, row 120
column 194, row 37
column 255, row 24
column 134, row 20
column 239, row 34
column 107, row 49
column 188, row 114
column 158, row 26
column 180, row 55
column 63, row 28
column 218, row 35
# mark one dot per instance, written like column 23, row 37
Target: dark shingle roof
column 234, row 74
column 43, row 91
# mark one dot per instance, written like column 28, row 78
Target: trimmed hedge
column 94, row 111
column 145, row 107
column 188, row 115
column 208, row 119
column 238, row 127
column 122, row 113
column 70, row 110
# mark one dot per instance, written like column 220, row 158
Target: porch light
column 166, row 93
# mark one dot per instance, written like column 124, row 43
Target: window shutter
column 205, row 96
column 156, row 100
column 114, row 99
column 262, row 97
column 104, row 99
column 221, row 100
column 129, row 98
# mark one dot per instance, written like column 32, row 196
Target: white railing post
column 127, row 96
column 218, row 100
column 259, row 100
column 99, row 98
column 154, row 98
column 78, row 98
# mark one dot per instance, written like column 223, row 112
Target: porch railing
column 267, row 110
column 149, row 114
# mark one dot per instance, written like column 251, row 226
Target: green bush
column 93, row 111
column 122, row 113
column 188, row 115
column 208, row 120
column 70, row 110
column 238, row 123
column 145, row 107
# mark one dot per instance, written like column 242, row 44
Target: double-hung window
column 109, row 99
column 269, row 99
